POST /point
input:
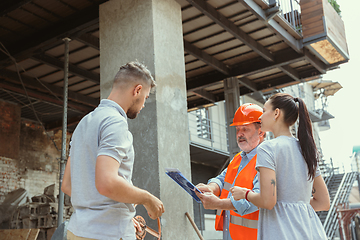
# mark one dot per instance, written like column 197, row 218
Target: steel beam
column 261, row 86
column 35, row 84
column 25, row 48
column 319, row 65
column 232, row 103
column 258, row 65
column 89, row 40
column 247, row 83
column 73, row 69
column 272, row 24
column 55, row 125
column 43, row 97
column 230, row 27
column 7, row 6
column 203, row 56
column 205, row 94
column 290, row 72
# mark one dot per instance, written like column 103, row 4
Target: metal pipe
column 194, row 226
column 64, row 131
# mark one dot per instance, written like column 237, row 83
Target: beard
column 131, row 114
column 249, row 144
column 133, row 110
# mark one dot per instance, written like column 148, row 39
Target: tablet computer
column 177, row 176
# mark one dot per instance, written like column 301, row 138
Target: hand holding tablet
column 177, row 176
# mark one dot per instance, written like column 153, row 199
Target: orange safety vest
column 240, row 227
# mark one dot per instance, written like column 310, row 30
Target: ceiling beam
column 7, row 6
column 272, row 24
column 290, row 72
column 247, row 83
column 319, row 65
column 25, row 48
column 231, row 27
column 203, row 56
column 261, row 86
column 35, row 84
column 89, row 40
column 73, row 69
column 55, row 125
column 283, row 81
column 205, row 94
column 255, row 66
column 43, row 97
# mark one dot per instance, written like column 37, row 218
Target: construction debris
column 40, row 213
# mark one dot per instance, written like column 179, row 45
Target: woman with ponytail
column 291, row 187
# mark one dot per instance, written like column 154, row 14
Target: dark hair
column 292, row 111
column 134, row 71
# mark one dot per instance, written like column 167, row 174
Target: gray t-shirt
column 292, row 216
column 104, row 131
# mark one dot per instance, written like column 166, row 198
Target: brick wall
column 9, row 129
column 28, row 156
column 34, row 181
column 10, row 178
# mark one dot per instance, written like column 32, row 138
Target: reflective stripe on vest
column 230, row 174
column 227, row 186
column 244, row 229
column 243, row 222
column 240, row 227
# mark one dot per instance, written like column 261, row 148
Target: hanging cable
column 4, row 50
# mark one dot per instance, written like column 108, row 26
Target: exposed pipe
column 64, row 131
column 194, row 226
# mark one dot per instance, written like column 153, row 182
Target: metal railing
column 215, row 141
column 341, row 196
column 339, row 183
column 290, row 10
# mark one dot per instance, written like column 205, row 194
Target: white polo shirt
column 103, row 131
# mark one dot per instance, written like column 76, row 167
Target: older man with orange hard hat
column 237, row 219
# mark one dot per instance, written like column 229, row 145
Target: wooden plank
column 318, row 12
column 33, row 234
column 311, row 7
column 327, row 51
column 311, row 20
column 305, row 2
column 313, row 25
column 313, row 32
column 19, row 234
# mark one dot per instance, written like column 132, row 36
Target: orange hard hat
column 246, row 114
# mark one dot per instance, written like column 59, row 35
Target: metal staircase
column 339, row 186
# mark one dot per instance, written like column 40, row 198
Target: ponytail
column 292, row 111
column 306, row 139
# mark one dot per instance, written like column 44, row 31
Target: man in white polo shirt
column 99, row 169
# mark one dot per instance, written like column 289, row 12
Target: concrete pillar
column 150, row 31
column 232, row 103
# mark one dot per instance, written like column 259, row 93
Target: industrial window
column 203, row 123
